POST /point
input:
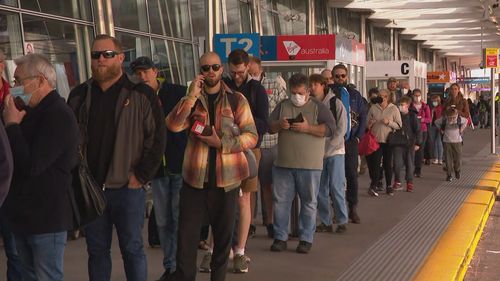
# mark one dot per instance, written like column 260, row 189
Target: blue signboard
column 225, row 43
column 268, row 48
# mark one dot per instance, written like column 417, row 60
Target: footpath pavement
column 331, row 254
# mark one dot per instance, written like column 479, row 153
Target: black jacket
column 44, row 148
column 140, row 132
column 256, row 95
column 170, row 95
column 6, row 164
column 411, row 125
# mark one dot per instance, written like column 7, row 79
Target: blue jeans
column 13, row 260
column 166, row 201
column 42, row 256
column 332, row 183
column 438, row 142
column 287, row 182
column 125, row 210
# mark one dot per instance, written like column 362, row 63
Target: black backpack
column 443, row 124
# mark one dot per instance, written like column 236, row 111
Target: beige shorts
column 251, row 185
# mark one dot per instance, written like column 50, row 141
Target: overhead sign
column 268, row 48
column 491, row 57
column 473, row 80
column 305, row 47
column 225, row 43
column 441, row 77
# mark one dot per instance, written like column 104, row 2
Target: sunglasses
column 206, row 67
column 340, row 76
column 106, row 54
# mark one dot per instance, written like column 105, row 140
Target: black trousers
column 193, row 206
column 419, row 154
column 429, row 145
column 351, row 171
column 374, row 161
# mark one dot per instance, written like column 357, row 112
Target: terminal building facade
column 175, row 32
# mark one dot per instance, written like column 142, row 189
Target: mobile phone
column 297, row 119
column 19, row 103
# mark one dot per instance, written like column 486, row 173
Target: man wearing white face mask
column 302, row 125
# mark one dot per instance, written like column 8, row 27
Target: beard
column 210, row 83
column 106, row 73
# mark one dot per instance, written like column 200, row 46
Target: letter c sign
column 405, row 68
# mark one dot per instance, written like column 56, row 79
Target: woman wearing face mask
column 383, row 118
column 435, row 135
column 457, row 99
column 424, row 115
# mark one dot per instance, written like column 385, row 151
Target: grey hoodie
column 334, row 145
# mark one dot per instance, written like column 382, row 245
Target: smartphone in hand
column 298, row 119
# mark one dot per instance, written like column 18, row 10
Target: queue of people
column 203, row 149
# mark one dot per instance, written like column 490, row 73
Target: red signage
column 306, row 47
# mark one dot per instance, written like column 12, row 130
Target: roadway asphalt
column 331, row 253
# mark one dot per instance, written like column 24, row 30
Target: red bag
column 368, row 144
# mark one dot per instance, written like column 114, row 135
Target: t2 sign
column 225, row 43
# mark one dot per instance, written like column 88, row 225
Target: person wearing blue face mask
column 44, row 143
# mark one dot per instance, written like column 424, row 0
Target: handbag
column 398, row 138
column 88, row 199
column 368, row 144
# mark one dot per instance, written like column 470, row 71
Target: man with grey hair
column 126, row 139
column 43, row 136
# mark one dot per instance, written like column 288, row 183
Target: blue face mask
column 19, row 92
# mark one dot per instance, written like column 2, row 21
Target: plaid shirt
column 232, row 166
column 275, row 93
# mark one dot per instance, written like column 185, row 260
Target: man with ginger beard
column 124, row 144
column 214, row 165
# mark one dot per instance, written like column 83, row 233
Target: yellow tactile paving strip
column 453, row 252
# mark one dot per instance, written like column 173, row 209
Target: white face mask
column 298, row 100
column 435, row 103
column 405, row 91
column 403, row 109
column 418, row 99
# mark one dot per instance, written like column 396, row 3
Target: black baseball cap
column 142, row 63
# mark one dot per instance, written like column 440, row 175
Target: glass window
column 321, row 17
column 161, row 59
column 199, row 18
column 78, row 9
column 130, row 14
column 182, row 61
column 283, row 17
column 10, row 42
column 9, row 2
column 133, row 47
column 66, row 44
column 171, row 18
column 237, row 16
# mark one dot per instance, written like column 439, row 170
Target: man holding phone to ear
column 214, row 165
column 297, row 169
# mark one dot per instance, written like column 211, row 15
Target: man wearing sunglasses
column 126, row 139
column 255, row 93
column 167, row 182
column 214, row 165
column 356, row 108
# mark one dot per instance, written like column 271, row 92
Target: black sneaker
column 457, row 175
column 251, row 231
column 167, row 276
column 389, row 191
column 324, row 228
column 379, row 187
column 372, row 192
column 303, row 247
column 418, row 175
column 270, row 230
column 341, row 228
column 278, row 246
column 448, row 178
